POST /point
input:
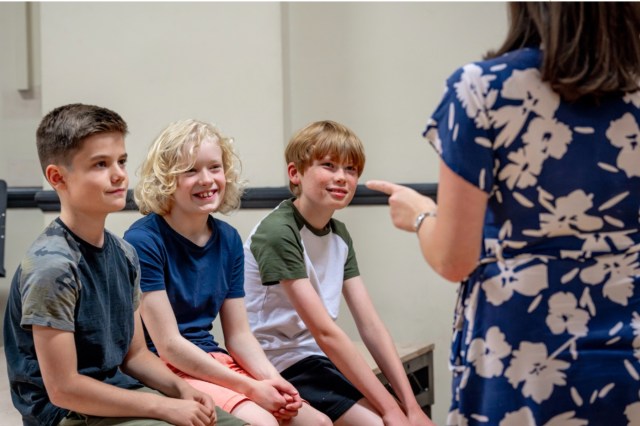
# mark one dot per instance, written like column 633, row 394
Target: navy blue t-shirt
column 197, row 279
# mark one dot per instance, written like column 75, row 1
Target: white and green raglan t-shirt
column 283, row 246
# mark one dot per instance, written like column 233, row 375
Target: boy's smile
column 200, row 189
column 338, row 193
column 325, row 186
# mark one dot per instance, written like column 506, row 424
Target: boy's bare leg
column 309, row 416
column 254, row 414
column 361, row 413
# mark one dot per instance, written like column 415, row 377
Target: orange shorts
column 224, row 398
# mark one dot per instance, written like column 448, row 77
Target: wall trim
column 254, row 198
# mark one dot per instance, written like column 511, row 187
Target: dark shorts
column 322, row 385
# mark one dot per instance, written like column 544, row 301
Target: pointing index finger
column 382, row 186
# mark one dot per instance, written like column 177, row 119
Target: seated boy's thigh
column 227, row 399
column 81, row 420
column 321, row 384
column 77, row 419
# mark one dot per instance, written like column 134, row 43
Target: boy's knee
column 265, row 421
column 311, row 417
column 322, row 419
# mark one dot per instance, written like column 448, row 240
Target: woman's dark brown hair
column 590, row 49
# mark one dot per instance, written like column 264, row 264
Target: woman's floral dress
column 547, row 328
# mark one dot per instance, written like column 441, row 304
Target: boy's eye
column 122, row 162
column 101, row 164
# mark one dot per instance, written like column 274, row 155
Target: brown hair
column 590, row 49
column 62, row 131
column 322, row 138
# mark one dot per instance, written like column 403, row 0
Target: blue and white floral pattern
column 547, row 328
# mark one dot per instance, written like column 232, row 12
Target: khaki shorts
column 77, row 419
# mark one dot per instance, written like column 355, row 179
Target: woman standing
column 539, row 216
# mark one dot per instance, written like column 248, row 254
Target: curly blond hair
column 174, row 152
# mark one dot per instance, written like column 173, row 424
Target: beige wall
column 260, row 71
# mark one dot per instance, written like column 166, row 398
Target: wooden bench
column 417, row 360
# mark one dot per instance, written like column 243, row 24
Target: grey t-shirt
column 66, row 283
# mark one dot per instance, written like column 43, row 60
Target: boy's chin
column 341, row 204
column 209, row 207
column 116, row 207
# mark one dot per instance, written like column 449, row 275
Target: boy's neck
column 195, row 229
column 316, row 217
column 87, row 227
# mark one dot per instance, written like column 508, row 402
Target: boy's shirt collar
column 301, row 220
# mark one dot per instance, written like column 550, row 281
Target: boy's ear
column 294, row 175
column 54, row 176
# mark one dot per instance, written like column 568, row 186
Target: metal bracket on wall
column 26, row 39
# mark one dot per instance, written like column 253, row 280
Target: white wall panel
column 158, row 62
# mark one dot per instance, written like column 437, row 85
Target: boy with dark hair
column 73, row 337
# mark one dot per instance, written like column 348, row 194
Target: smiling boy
column 298, row 262
column 73, row 337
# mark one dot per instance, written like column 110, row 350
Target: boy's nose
column 205, row 177
column 119, row 174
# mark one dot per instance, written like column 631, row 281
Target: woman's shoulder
column 503, row 65
column 516, row 59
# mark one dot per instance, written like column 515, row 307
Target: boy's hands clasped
column 293, row 402
column 183, row 412
column 277, row 396
column 193, row 408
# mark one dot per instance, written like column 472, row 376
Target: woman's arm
column 451, row 240
column 378, row 341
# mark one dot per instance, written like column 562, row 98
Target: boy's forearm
column 193, row 361
column 152, row 372
column 246, row 351
column 385, row 355
column 344, row 354
column 86, row 395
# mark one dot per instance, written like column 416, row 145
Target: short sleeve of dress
column 460, row 128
